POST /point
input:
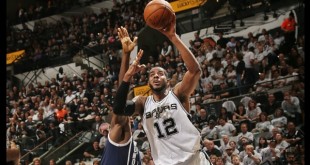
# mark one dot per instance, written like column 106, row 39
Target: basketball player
column 119, row 148
column 172, row 136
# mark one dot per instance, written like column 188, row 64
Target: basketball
column 158, row 14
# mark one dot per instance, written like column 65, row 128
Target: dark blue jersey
column 117, row 154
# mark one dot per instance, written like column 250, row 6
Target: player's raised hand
column 170, row 30
column 135, row 66
column 127, row 43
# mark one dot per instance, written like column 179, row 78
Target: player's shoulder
column 139, row 103
column 139, row 99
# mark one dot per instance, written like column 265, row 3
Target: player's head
column 158, row 79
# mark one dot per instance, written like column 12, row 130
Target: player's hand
column 135, row 67
column 127, row 44
column 170, row 31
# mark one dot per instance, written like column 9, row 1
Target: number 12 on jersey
column 169, row 128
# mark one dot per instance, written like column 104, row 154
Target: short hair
column 234, row 155
column 250, row 146
column 165, row 72
column 36, row 159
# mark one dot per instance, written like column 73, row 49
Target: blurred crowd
column 267, row 124
column 96, row 33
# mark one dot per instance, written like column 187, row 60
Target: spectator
column 270, row 153
column 224, row 142
column 263, row 124
column 252, row 157
column 293, row 135
column 210, row 53
column 225, row 128
column 225, row 114
column 233, row 146
column 200, row 56
column 288, row 26
column 210, row 148
column 217, row 75
column 192, row 47
column 230, row 74
column 197, row 40
column 210, row 131
column 104, row 131
column 40, row 133
column 239, row 115
column 231, row 44
column 227, row 155
column 69, row 121
column 93, row 151
column 262, row 84
column 221, row 41
column 271, row 105
column 281, row 144
column 68, row 162
column 202, row 119
column 253, row 111
column 240, row 70
column 219, row 51
column 166, row 49
column 145, row 143
column 213, row 159
column 242, row 147
column 95, row 126
column 220, row 161
column 262, row 143
column 54, row 132
column 291, row 107
column 278, row 119
column 60, row 75
column 250, row 74
column 292, row 76
column 278, row 81
column 60, row 114
column 52, row 162
column 245, row 134
column 69, row 98
column 36, row 161
column 290, row 159
column 235, row 159
column 137, row 131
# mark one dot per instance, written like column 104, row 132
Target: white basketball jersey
column 172, row 136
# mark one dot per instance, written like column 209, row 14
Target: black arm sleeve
column 120, row 98
column 130, row 108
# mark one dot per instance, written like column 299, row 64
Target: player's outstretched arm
column 120, row 128
column 127, row 46
column 121, row 106
column 190, row 79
